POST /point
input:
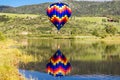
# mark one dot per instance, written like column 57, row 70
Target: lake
column 87, row 57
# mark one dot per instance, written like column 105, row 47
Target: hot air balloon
column 58, row 65
column 59, row 14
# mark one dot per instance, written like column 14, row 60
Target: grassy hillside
column 19, row 15
column 4, row 7
column 79, row 8
column 37, row 25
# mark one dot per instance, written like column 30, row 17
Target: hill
column 2, row 8
column 39, row 25
column 79, row 8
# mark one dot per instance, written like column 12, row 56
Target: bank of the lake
column 115, row 38
column 9, row 60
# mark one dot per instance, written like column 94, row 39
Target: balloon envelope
column 59, row 14
column 58, row 65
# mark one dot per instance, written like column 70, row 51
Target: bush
column 2, row 37
column 103, row 20
column 110, row 29
column 95, row 33
column 4, row 18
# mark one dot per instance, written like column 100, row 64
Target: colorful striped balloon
column 58, row 65
column 59, row 14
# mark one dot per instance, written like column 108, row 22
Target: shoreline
column 109, row 39
column 10, row 58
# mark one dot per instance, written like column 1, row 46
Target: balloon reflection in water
column 58, row 65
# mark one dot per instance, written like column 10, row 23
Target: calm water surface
column 86, row 57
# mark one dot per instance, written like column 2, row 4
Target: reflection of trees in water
column 43, row 49
column 102, row 67
column 75, row 51
column 110, row 49
column 112, row 52
column 81, row 67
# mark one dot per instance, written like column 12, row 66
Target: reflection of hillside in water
column 86, row 57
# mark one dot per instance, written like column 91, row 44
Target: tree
column 110, row 29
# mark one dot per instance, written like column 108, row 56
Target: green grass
column 91, row 19
column 9, row 61
column 19, row 15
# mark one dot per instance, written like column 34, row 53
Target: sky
column 22, row 2
column 16, row 3
column 93, row 0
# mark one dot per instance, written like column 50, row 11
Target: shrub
column 2, row 37
column 110, row 29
